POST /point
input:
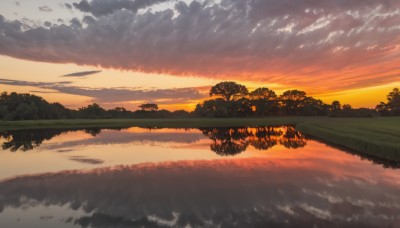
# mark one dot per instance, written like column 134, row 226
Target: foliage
column 149, row 107
column 392, row 106
column 234, row 101
column 93, row 111
column 228, row 90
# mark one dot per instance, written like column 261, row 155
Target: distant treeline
column 229, row 99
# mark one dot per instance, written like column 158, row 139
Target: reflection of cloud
column 121, row 137
column 330, row 44
column 104, row 7
column 81, row 74
column 109, row 95
column 45, row 9
column 244, row 192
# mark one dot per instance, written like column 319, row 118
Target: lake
column 208, row 177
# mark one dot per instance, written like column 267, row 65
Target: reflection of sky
column 329, row 191
column 80, row 150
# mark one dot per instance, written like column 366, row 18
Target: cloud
column 45, row 9
column 114, row 95
column 83, row 159
column 81, row 74
column 104, row 7
column 320, row 45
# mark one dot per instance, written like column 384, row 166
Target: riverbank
column 378, row 137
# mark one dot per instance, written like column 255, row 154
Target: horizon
column 171, row 53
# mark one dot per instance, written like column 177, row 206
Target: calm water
column 211, row 177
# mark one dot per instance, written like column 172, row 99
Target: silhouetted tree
column 293, row 101
column 93, row 111
column 392, row 106
column 336, row 106
column 228, row 90
column 149, row 107
column 314, row 107
column 264, row 101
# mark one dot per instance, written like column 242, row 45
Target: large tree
column 392, row 106
column 229, row 90
column 264, row 100
column 293, row 101
column 336, row 106
column 263, row 93
column 150, row 107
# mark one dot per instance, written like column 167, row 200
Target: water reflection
column 232, row 141
column 225, row 141
column 225, row 193
column 30, row 139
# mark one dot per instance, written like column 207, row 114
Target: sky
column 127, row 52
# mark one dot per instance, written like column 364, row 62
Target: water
column 211, row 177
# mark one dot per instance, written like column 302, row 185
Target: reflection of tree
column 293, row 139
column 265, row 137
column 25, row 140
column 232, row 141
column 227, row 141
column 92, row 131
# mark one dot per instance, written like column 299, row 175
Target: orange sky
column 172, row 52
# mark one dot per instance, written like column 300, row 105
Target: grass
column 167, row 123
column 378, row 137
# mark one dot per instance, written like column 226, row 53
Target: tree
column 392, row 107
column 149, row 107
column 26, row 112
column 92, row 111
column 314, row 107
column 347, row 107
column 263, row 93
column 293, row 101
column 3, row 112
column 264, row 101
column 229, row 90
column 336, row 106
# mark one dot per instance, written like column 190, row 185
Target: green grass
column 378, row 137
column 167, row 123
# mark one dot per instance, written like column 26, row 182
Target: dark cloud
column 86, row 160
column 81, row 74
column 35, row 84
column 111, row 95
column 104, row 7
column 332, row 44
column 68, row 6
column 45, row 9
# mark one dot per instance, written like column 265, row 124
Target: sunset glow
column 115, row 53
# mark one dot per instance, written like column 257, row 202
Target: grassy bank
column 378, row 137
column 167, row 123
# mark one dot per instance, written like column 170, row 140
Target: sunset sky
column 126, row 52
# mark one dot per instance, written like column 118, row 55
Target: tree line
column 228, row 99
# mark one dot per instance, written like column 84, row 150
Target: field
column 378, row 137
